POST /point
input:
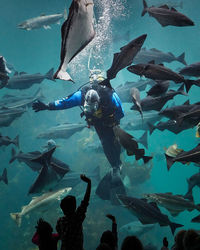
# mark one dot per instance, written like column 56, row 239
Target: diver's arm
column 68, row 102
column 88, row 190
column 119, row 112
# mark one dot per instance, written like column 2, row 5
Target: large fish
column 160, row 72
column 23, row 80
column 175, row 204
column 125, row 57
column 77, row 32
column 156, row 103
column 145, row 56
column 4, row 177
column 191, row 70
column 10, row 101
column 159, row 88
column 41, row 21
column 5, row 140
column 130, row 144
column 49, row 175
column 136, row 228
column 174, row 154
column 62, row 131
column 193, row 114
column 40, row 203
column 147, row 213
column 166, row 16
column 7, row 116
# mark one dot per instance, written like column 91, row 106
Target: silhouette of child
column 44, row 237
column 69, row 227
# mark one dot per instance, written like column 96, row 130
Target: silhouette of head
column 108, row 238
column 103, row 246
column 132, row 243
column 68, row 204
column 191, row 240
column 178, row 245
column 44, row 229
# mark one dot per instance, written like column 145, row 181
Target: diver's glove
column 38, row 106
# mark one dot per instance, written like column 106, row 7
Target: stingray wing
column 77, row 31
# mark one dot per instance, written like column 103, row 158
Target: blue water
column 38, row 51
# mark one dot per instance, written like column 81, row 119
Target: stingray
column 77, row 32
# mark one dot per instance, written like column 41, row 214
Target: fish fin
column 16, row 141
column 173, row 227
column 181, row 90
column 145, row 8
column 49, row 75
column 170, row 161
column 104, row 186
column 187, row 102
column 63, row 75
column 13, row 155
column 143, row 140
column 146, row 158
column 151, row 127
column 17, row 218
column 181, row 58
column 173, row 9
column 165, row 6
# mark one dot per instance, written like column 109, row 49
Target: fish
column 123, row 90
column 134, row 122
column 193, row 181
column 135, row 174
column 157, row 103
column 62, row 131
column 6, row 140
column 7, row 116
column 147, row 213
column 145, row 56
column 41, row 21
column 24, row 81
column 192, row 114
column 27, row 158
column 39, row 203
column 125, row 56
column 4, row 176
column 130, row 144
column 4, row 71
column 173, row 154
column 172, row 126
column 77, row 32
column 10, row 101
column 49, row 175
column 175, row 204
column 191, row 70
column 160, row 72
column 172, row 112
column 72, row 178
column 136, row 228
column 135, row 93
column 159, row 88
column 166, row 16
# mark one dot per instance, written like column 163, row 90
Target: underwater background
column 38, row 51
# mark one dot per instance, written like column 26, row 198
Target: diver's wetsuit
column 108, row 115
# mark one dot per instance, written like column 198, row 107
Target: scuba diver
column 102, row 109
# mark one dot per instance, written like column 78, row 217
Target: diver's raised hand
column 111, row 217
column 38, row 106
column 85, row 179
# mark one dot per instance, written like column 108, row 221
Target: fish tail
column 49, row 75
column 181, row 58
column 145, row 8
column 143, row 140
column 170, row 161
column 139, row 154
column 189, row 196
column 13, row 157
column 16, row 141
column 17, row 218
column 174, row 226
column 147, row 158
column 188, row 84
column 4, row 176
column 181, row 90
column 151, row 127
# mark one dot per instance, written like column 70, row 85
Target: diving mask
column 92, row 101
